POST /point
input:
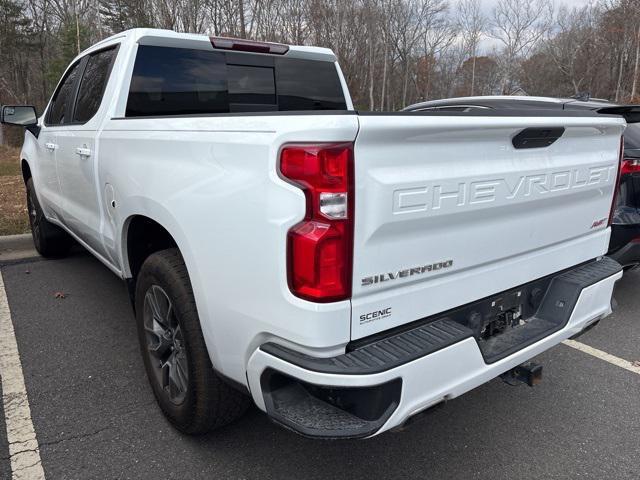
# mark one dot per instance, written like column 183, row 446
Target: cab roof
column 169, row 38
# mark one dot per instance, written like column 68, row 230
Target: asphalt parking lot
column 95, row 416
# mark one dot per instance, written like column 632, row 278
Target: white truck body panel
column 243, row 209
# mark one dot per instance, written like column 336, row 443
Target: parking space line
column 607, row 357
column 21, row 436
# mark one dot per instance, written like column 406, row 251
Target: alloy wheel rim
column 165, row 344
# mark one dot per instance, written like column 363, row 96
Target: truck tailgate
column 448, row 211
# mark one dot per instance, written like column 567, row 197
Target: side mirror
column 19, row 115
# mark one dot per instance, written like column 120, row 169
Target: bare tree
column 635, row 9
column 572, row 48
column 634, row 85
column 519, row 25
column 472, row 24
column 437, row 42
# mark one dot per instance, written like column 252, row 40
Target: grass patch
column 13, row 204
column 9, row 161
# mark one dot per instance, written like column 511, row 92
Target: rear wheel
column 50, row 240
column 191, row 395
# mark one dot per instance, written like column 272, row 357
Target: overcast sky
column 487, row 5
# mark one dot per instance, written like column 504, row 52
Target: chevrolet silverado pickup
column 345, row 270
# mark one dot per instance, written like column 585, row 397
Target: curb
column 16, row 242
column 15, row 248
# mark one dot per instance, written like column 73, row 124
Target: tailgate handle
column 537, row 137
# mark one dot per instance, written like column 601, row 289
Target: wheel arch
column 149, row 229
column 144, row 226
column 141, row 237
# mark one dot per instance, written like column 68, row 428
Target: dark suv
column 624, row 246
column 625, row 232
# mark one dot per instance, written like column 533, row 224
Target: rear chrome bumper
column 380, row 385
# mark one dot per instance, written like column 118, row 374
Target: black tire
column 207, row 402
column 50, row 240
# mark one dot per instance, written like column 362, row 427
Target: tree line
column 393, row 52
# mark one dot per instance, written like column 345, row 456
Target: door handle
column 83, row 152
column 50, row 146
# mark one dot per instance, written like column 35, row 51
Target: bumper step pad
column 328, row 412
column 381, row 355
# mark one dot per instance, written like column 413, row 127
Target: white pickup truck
column 346, row 270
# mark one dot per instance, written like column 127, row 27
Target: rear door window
column 178, row 81
column 94, row 81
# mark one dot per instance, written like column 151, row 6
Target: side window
column 453, row 108
column 94, row 81
column 177, row 81
column 62, row 97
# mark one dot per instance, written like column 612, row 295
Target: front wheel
column 191, row 395
column 50, row 240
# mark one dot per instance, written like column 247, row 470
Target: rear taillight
column 630, row 165
column 320, row 248
column 225, row 43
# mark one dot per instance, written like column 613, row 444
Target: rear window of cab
column 179, row 81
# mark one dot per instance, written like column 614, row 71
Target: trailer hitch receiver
column 529, row 373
